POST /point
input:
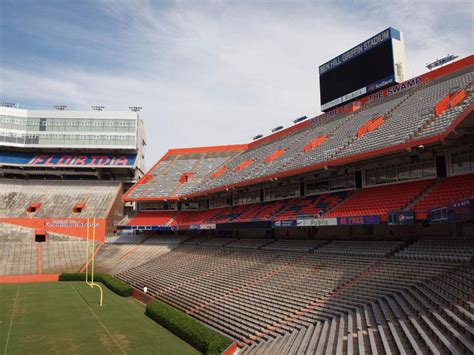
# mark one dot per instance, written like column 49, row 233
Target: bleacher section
column 380, row 200
column 196, row 240
column 217, row 242
column 359, row 248
column 56, row 198
column 11, row 232
column 63, row 256
column 21, row 255
column 127, row 239
column 196, row 217
column 439, row 250
column 161, row 218
column 452, row 189
column 18, row 258
column 402, row 118
column 113, row 258
column 346, row 297
column 302, row 246
column 339, row 133
column 308, row 207
column 167, row 239
column 312, row 206
column 414, row 117
column 377, row 200
column 253, row 243
column 179, row 172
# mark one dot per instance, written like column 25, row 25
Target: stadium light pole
column 135, row 108
column 60, row 107
column 97, row 107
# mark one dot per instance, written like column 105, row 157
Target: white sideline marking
column 11, row 321
column 100, row 322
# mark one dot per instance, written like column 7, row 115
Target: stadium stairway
column 170, row 165
column 350, row 194
column 409, row 206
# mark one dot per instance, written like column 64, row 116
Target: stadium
column 351, row 232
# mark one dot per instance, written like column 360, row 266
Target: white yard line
column 11, row 321
column 100, row 322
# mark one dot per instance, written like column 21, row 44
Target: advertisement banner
column 284, row 224
column 366, row 90
column 244, row 225
column 153, row 228
column 74, row 227
column 317, row 222
column 207, row 226
column 401, row 217
column 82, row 160
column 62, row 159
column 462, row 210
column 381, row 83
column 358, row 220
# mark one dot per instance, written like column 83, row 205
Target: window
column 403, row 172
column 220, row 201
column 245, row 197
column 380, row 176
column 415, row 171
column 370, row 177
column 281, row 192
column 331, row 183
column 460, row 162
column 429, row 168
column 392, row 174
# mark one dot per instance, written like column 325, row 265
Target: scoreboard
column 370, row 66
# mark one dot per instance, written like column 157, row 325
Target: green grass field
column 65, row 317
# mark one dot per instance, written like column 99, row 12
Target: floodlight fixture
column 9, row 104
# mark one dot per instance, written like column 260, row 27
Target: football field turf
column 65, row 317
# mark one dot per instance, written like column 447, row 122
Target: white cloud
column 218, row 72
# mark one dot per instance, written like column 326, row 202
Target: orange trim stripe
column 17, row 279
column 210, row 149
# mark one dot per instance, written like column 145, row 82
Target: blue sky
column 205, row 72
